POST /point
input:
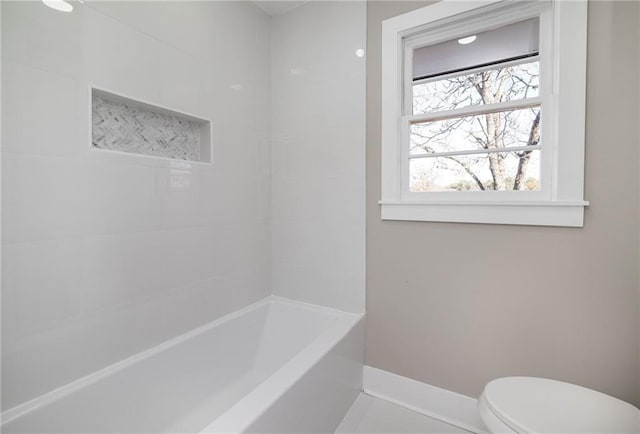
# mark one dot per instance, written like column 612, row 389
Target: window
column 483, row 113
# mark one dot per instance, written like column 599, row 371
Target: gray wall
column 455, row 305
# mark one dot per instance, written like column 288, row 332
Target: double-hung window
column 483, row 113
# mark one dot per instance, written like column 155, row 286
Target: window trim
column 562, row 93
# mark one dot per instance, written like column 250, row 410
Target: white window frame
column 563, row 41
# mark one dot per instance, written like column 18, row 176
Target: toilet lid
column 538, row 405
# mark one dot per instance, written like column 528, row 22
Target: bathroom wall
column 456, row 305
column 318, row 118
column 104, row 255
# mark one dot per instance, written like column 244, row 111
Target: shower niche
column 122, row 124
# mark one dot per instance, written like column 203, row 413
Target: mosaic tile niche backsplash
column 120, row 125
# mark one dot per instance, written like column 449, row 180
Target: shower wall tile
column 107, row 254
column 110, row 54
column 56, row 198
column 50, row 98
column 25, row 46
column 79, row 346
column 169, row 22
column 123, row 59
column 42, row 198
column 318, row 153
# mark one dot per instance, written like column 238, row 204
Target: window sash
column 473, row 110
column 476, row 152
column 465, row 112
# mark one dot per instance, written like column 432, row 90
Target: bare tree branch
column 467, row 169
column 523, row 161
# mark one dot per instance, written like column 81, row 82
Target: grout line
column 142, row 32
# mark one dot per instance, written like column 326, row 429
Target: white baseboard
column 450, row 407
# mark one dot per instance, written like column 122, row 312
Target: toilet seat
column 491, row 420
column 538, row 405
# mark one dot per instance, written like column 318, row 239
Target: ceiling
column 278, row 7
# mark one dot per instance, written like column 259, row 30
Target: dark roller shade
column 513, row 41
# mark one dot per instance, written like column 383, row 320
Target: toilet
column 538, row 405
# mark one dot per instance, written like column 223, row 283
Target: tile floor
column 370, row 415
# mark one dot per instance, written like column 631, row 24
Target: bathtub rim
column 241, row 416
column 32, row 405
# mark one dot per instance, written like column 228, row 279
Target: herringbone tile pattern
column 118, row 126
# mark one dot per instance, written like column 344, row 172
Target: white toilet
column 538, row 405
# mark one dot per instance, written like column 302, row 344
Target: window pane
column 476, row 172
column 486, row 131
column 496, row 85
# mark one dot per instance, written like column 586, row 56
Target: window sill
column 553, row 213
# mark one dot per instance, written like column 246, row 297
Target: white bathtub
column 275, row 366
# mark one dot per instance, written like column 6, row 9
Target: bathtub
column 275, row 366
